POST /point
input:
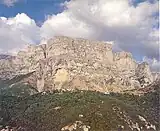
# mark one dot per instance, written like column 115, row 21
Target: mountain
column 67, row 84
column 72, row 63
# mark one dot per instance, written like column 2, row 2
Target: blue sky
column 36, row 9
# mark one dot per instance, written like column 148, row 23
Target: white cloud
column 63, row 24
column 9, row 2
column 114, row 20
column 16, row 32
column 154, row 64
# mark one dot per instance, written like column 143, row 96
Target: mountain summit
column 74, row 63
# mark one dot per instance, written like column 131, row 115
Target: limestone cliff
column 144, row 74
column 67, row 63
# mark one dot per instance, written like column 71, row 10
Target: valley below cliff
column 80, row 111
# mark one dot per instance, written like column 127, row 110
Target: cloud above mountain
column 132, row 28
column 17, row 32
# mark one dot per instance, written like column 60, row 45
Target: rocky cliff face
column 66, row 63
column 144, row 74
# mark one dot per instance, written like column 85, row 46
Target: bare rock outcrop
column 67, row 63
column 144, row 75
column 124, row 60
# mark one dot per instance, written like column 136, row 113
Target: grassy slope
column 37, row 112
column 14, row 86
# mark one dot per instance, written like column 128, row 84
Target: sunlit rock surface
column 64, row 62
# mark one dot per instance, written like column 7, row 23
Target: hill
column 82, row 111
